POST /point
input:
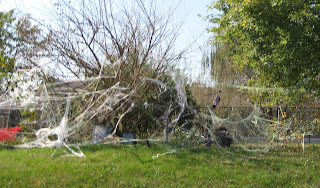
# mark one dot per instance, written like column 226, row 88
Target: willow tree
column 221, row 68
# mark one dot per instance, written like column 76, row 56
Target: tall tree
column 89, row 35
column 31, row 42
column 21, row 45
column 127, row 44
column 278, row 39
column 6, row 48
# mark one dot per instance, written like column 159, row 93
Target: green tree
column 21, row 45
column 30, row 43
column 278, row 39
column 6, row 60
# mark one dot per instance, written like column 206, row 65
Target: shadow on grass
column 99, row 147
column 123, row 146
column 6, row 147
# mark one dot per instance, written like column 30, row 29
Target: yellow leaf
column 244, row 23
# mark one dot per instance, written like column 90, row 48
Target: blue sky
column 192, row 30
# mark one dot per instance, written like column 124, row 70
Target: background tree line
column 271, row 46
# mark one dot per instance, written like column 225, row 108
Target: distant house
column 68, row 86
column 9, row 115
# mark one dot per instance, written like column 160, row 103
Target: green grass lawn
column 127, row 166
